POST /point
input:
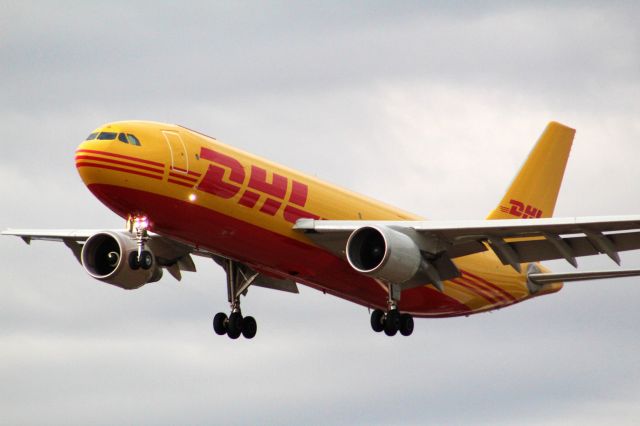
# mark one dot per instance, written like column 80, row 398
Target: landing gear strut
column 392, row 320
column 235, row 324
column 141, row 258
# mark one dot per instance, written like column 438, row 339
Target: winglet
column 534, row 190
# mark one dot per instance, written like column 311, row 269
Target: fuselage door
column 178, row 150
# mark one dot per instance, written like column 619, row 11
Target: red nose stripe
column 110, row 154
column 118, row 169
column 121, row 163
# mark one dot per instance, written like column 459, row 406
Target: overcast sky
column 440, row 99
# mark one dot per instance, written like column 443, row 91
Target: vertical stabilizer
column 534, row 191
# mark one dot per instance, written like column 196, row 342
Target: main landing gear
column 235, row 324
column 392, row 320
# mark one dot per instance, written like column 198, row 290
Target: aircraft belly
column 255, row 245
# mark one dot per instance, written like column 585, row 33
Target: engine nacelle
column 381, row 252
column 105, row 257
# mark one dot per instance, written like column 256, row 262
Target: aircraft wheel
column 219, row 321
column 249, row 327
column 406, row 324
column 392, row 322
column 234, row 326
column 377, row 320
column 133, row 261
column 146, row 260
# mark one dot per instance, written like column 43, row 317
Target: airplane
column 184, row 193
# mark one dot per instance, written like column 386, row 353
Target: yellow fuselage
column 212, row 196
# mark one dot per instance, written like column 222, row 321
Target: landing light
column 192, row 197
column 141, row 223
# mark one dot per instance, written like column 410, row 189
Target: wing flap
column 539, row 250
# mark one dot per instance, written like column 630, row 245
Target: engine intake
column 105, row 257
column 381, row 252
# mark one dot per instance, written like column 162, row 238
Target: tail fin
column 534, row 191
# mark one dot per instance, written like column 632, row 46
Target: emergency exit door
column 179, row 158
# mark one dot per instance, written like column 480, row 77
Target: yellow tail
column 534, row 191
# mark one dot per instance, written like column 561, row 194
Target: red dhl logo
column 274, row 190
column 520, row 209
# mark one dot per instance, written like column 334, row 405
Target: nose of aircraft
column 95, row 154
column 85, row 157
column 113, row 154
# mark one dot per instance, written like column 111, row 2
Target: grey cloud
column 428, row 106
column 223, row 52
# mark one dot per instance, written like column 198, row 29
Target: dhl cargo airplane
column 185, row 193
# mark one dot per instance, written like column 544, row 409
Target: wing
column 76, row 235
column 171, row 254
column 514, row 241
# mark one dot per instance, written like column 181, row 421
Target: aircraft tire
column 219, row 321
column 249, row 327
column 406, row 324
column 377, row 320
column 146, row 260
column 392, row 322
column 134, row 264
column 234, row 326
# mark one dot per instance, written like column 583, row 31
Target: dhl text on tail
column 183, row 193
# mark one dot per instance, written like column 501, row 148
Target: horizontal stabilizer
column 545, row 278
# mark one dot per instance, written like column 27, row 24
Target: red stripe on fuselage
column 121, row 163
column 177, row 182
column 254, row 245
column 472, row 286
column 118, row 169
column 110, row 154
column 498, row 289
column 489, row 289
column 187, row 178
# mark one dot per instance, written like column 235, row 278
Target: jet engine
column 106, row 257
column 381, row 252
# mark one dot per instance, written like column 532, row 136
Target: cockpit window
column 128, row 138
column 92, row 136
column 106, row 136
column 123, row 138
column 133, row 140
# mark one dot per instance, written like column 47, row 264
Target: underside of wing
column 170, row 254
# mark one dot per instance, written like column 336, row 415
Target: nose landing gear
column 141, row 258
